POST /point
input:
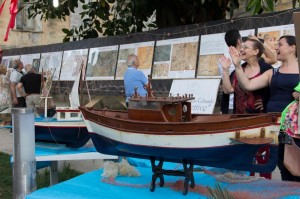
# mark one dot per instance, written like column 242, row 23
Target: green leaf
column 97, row 23
column 256, row 8
column 103, row 4
column 268, row 5
column 252, row 4
column 85, row 7
column 66, row 39
column 66, row 31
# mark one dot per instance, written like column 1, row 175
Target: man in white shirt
column 15, row 76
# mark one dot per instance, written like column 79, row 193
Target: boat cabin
column 160, row 109
column 68, row 114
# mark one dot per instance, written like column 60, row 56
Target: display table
column 93, row 185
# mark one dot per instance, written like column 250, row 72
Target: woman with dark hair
column 282, row 82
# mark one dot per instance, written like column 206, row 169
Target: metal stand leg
column 53, row 173
column 159, row 172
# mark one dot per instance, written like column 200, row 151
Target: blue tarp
column 93, row 185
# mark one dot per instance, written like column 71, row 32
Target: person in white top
column 15, row 76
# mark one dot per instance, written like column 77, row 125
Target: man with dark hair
column 233, row 38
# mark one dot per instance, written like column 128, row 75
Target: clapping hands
column 225, row 63
column 236, row 56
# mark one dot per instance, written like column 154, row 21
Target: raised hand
column 253, row 37
column 225, row 63
column 236, row 56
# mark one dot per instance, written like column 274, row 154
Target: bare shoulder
column 268, row 74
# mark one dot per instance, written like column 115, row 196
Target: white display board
column 205, row 92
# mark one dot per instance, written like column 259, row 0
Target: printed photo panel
column 51, row 64
column 33, row 59
column 143, row 50
column 271, row 35
column 73, row 62
column 175, row 58
column 102, row 63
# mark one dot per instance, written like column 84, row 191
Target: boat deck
column 195, row 117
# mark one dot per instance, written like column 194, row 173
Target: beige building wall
column 48, row 32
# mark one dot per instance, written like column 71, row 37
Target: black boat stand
column 159, row 172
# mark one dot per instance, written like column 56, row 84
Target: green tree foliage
column 117, row 17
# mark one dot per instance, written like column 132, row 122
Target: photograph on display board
column 271, row 35
column 102, row 63
column 73, row 61
column 33, row 59
column 175, row 58
column 212, row 47
column 51, row 63
column 209, row 65
column 143, row 50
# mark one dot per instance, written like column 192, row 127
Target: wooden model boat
column 66, row 128
column 164, row 128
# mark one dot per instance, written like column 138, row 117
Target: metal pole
column 24, row 165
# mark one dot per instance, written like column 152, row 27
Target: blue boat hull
column 234, row 157
column 73, row 136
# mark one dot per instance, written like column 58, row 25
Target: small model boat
column 63, row 125
column 66, row 128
